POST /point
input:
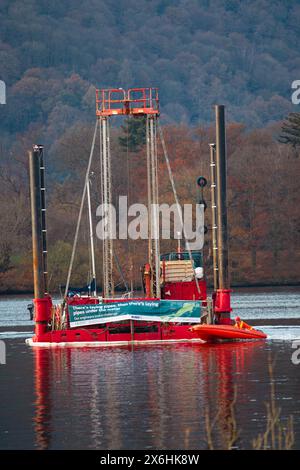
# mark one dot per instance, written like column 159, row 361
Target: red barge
column 175, row 303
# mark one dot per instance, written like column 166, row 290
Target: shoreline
column 234, row 287
column 253, row 322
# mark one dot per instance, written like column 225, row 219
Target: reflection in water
column 149, row 397
column 42, row 418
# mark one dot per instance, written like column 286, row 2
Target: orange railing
column 117, row 101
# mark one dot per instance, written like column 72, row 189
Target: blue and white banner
column 179, row 311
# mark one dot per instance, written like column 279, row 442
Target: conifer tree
column 134, row 136
column 291, row 130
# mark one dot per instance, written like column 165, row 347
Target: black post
column 40, row 149
column 36, row 219
column 222, row 238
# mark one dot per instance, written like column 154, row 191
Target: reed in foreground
column 277, row 435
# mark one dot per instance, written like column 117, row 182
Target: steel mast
column 108, row 282
column 222, row 295
column 133, row 102
column 153, row 212
column 214, row 228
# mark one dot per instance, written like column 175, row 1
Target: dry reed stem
column 276, row 435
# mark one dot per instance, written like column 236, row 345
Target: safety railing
column 135, row 101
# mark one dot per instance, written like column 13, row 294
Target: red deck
column 118, row 334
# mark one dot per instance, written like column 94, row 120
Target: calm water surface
column 147, row 397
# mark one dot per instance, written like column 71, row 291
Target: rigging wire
column 89, row 274
column 91, row 244
column 121, row 273
column 177, row 201
column 80, row 211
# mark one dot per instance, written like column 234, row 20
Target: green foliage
column 134, row 131
column 291, row 130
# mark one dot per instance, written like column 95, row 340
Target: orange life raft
column 215, row 332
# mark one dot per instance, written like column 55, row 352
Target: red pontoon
column 174, row 283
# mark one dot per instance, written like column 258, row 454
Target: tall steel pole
column 153, row 210
column 40, row 149
column 36, row 219
column 214, row 227
column 105, row 157
column 221, row 198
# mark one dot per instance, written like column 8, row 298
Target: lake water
column 154, row 397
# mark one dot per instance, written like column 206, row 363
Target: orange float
column 239, row 331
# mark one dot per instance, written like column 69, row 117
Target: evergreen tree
column 291, row 130
column 134, row 131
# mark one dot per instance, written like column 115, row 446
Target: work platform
column 135, row 101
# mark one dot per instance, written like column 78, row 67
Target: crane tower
column 133, row 102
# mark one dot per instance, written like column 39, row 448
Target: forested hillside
column 263, row 203
column 241, row 53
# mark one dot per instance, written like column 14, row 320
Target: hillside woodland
column 243, row 54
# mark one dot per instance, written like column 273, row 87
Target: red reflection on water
column 48, row 364
column 219, row 365
column 229, row 361
column 42, row 416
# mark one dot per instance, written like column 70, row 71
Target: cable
column 177, row 201
column 80, row 212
